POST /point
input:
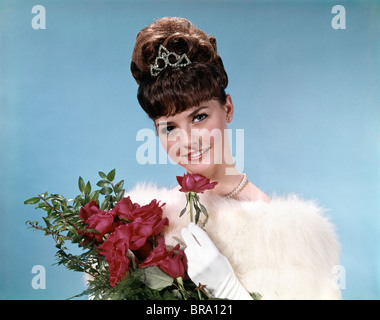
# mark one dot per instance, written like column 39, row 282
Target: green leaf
column 58, row 197
column 155, row 278
column 94, row 196
column 103, row 183
column 33, row 200
column 102, row 175
column 203, row 208
column 106, row 191
column 43, row 195
column 111, row 200
column 255, row 296
column 78, row 200
column 111, row 175
column 48, row 225
column 119, row 186
column 92, row 231
column 72, row 229
column 187, row 202
column 182, row 211
column 87, row 189
column 43, row 206
column 198, row 211
column 120, row 196
column 81, row 184
column 105, row 204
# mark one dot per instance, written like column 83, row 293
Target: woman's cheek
column 173, row 149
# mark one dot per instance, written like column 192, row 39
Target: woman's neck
column 227, row 177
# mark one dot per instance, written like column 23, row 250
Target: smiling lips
column 197, row 154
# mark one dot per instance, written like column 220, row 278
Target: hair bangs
column 178, row 89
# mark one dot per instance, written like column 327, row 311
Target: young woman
column 281, row 248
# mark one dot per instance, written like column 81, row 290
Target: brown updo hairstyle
column 176, row 89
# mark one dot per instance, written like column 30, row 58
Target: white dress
column 282, row 249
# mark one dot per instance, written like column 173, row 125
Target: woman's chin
column 200, row 168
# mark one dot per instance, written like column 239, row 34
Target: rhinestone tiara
column 164, row 57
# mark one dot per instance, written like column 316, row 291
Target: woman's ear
column 229, row 107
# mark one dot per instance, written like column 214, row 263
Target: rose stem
column 191, row 207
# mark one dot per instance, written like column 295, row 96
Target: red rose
column 195, row 183
column 152, row 210
column 158, row 254
column 145, row 228
column 103, row 222
column 88, row 210
column 124, row 208
column 131, row 211
column 147, row 221
column 175, row 265
column 115, row 250
column 147, row 249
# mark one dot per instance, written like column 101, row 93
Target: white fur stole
column 282, row 249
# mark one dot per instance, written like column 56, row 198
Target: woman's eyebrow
column 167, row 123
column 191, row 115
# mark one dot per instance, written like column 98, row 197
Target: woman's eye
column 167, row 129
column 200, row 117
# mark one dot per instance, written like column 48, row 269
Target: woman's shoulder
column 291, row 211
column 288, row 214
column 298, row 221
column 292, row 228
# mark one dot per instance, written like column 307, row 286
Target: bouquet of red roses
column 124, row 251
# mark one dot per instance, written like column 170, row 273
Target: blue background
column 306, row 95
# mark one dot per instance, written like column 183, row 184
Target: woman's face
column 195, row 138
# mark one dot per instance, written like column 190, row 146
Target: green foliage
column 130, row 288
column 138, row 286
column 62, row 222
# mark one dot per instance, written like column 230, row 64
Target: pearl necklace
column 239, row 187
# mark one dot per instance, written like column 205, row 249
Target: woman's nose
column 194, row 139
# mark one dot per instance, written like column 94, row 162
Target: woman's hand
column 206, row 265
